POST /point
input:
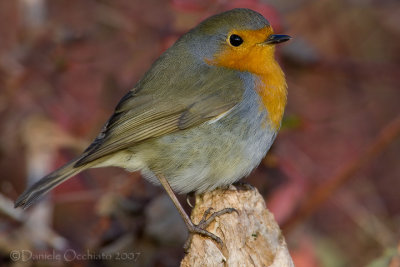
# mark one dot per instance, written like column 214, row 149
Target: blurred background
column 332, row 178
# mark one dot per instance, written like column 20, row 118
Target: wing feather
column 140, row 115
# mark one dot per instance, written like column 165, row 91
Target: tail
column 48, row 182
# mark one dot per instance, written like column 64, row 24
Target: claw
column 188, row 196
column 243, row 186
column 203, row 224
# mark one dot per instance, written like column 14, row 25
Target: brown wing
column 147, row 112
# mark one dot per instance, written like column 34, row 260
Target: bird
column 202, row 117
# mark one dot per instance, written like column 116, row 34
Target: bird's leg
column 193, row 228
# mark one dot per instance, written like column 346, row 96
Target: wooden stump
column 251, row 237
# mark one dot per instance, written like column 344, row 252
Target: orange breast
column 272, row 90
column 258, row 58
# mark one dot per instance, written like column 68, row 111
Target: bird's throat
column 258, row 59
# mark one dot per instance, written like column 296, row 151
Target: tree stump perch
column 251, row 236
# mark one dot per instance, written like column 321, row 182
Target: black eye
column 235, row 40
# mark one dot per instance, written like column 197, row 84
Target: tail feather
column 47, row 183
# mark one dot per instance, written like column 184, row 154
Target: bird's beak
column 277, row 38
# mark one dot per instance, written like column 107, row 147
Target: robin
column 202, row 117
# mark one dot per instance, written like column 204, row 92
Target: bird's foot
column 243, row 186
column 203, row 224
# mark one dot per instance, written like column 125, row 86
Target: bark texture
column 251, row 237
